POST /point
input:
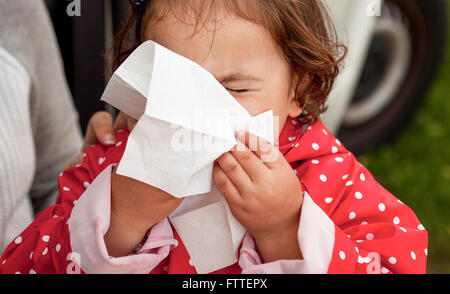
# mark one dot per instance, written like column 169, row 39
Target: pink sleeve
column 89, row 222
column 349, row 224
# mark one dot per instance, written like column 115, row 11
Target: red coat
column 358, row 225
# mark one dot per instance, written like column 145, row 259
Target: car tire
column 374, row 120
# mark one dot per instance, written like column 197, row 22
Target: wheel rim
column 378, row 88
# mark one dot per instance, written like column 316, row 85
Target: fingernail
column 240, row 146
column 109, row 139
column 241, row 136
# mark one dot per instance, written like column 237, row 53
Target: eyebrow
column 233, row 77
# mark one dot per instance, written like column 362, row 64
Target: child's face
column 241, row 55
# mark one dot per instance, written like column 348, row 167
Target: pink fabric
column 89, row 222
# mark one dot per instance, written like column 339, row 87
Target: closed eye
column 237, row 90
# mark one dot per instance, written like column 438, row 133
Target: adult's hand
column 101, row 129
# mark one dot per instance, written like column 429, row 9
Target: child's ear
column 299, row 85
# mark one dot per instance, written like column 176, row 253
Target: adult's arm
column 54, row 121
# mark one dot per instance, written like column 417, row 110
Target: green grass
column 415, row 167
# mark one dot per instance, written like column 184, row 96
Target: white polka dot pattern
column 372, row 230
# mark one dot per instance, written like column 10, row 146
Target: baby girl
column 314, row 209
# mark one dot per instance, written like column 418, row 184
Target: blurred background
column 415, row 164
column 390, row 106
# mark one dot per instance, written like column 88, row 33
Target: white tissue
column 186, row 120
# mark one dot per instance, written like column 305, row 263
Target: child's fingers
column 234, row 171
column 266, row 152
column 225, row 186
column 248, row 161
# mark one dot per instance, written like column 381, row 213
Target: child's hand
column 265, row 197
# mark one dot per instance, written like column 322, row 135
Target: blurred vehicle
column 395, row 48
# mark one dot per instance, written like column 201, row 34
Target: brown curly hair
column 302, row 28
